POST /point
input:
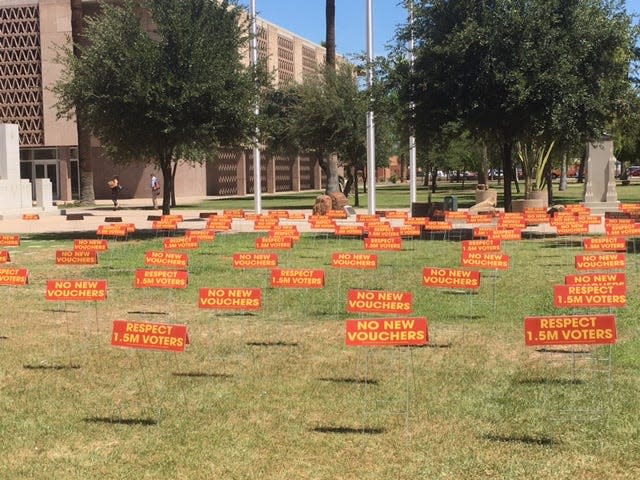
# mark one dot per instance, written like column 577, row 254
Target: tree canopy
column 162, row 80
column 521, row 70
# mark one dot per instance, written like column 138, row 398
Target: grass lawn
column 397, row 196
column 276, row 394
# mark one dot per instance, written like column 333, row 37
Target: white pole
column 412, row 137
column 257, row 179
column 371, row 132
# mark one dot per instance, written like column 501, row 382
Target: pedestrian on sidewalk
column 155, row 190
column 115, row 186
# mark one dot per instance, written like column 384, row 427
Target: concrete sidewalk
column 136, row 211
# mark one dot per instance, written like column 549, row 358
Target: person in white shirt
column 155, row 190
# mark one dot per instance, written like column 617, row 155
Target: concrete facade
column 35, row 29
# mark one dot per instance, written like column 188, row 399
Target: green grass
column 276, row 394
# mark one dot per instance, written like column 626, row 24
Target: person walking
column 115, row 186
column 155, row 190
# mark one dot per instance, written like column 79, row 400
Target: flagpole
column 257, row 171
column 412, row 137
column 371, row 142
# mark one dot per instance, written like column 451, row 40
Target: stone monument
column 600, row 193
column 15, row 192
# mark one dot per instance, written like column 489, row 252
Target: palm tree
column 87, row 195
column 330, row 39
column 332, row 162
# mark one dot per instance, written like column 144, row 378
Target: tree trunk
column 583, row 162
column 333, row 185
column 563, row 174
column 164, row 162
column 173, row 182
column 356, row 199
column 507, row 167
column 484, row 166
column 434, row 179
column 349, row 184
column 87, row 194
column 330, row 39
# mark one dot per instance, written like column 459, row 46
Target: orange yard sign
column 596, row 279
column 96, row 245
column 570, row 330
column 4, row 256
column 438, row 226
column 255, row 260
column 166, row 259
column 623, row 229
column 117, row 230
column 9, row 240
column 605, row 244
column 376, row 301
column 594, row 295
column 30, row 216
column 573, row 228
column 349, row 231
column 387, row 332
column 354, row 260
column 219, row 223
column 450, row 278
column 274, row 243
column 14, row 276
column 504, row 234
column 492, row 245
column 409, row 231
column 230, row 298
column 152, row 336
column 297, row 278
column 76, row 257
column 495, row 261
column 78, row 290
column 615, row 261
column 180, row 243
column 161, row 278
column 383, row 243
column 164, row 225
column 207, row 235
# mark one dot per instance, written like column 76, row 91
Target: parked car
column 633, row 171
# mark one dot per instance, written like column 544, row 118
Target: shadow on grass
column 467, row 317
column 560, row 350
column 272, row 344
column 358, row 381
column 59, row 310
column 142, row 312
column 145, row 422
column 70, row 366
column 563, row 244
column 459, row 292
column 548, row 381
column 234, row 314
column 201, row 375
column 4, row 337
column 349, row 430
column 524, row 439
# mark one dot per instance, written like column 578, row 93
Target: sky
column 307, row 19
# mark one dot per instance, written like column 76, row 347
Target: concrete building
column 31, row 32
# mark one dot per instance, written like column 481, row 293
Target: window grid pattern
column 21, row 72
column 286, row 73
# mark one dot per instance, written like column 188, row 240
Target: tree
column 178, row 91
column 521, row 70
column 87, row 195
column 330, row 164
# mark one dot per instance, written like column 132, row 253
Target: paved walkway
column 136, row 211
